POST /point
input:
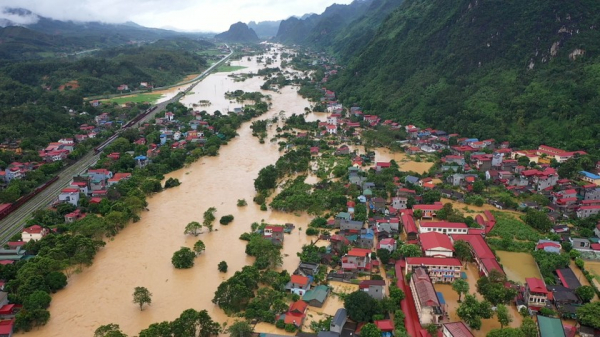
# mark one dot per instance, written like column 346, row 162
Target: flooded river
column 141, row 254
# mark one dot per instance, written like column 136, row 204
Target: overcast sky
column 196, row 15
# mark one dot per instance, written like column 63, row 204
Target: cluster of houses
column 469, row 159
column 142, row 86
column 93, row 184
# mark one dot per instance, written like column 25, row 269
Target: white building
column 35, row 233
column 70, row 195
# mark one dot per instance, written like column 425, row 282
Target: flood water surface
column 141, row 254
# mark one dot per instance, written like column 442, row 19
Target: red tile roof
column 35, row 229
column 299, row 279
column 432, row 240
column 536, row 285
column 409, row 224
column 359, row 252
column 424, row 288
column 443, row 224
column 275, row 228
column 458, row 329
column 480, row 247
column 435, row 207
column 433, row 261
column 298, row 306
column 385, row 325
column 366, row 283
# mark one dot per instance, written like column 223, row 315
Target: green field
column 226, row 69
column 210, row 52
column 150, row 98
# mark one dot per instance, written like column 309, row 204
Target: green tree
column 472, row 311
column 587, row 314
column 504, row 317
column 384, row 255
column 172, row 182
column 109, row 330
column 538, row 220
column 510, row 332
column 209, row 218
column 222, row 267
column 432, row 329
column 528, row 327
column 461, row 287
column 370, row 330
column 585, row 293
column 240, row 329
column 226, row 219
column 431, row 196
column 195, row 323
column 463, row 251
column 493, row 290
column 478, row 186
column 183, row 258
column 410, row 250
column 360, row 306
column 142, row 296
column 56, row 281
column 37, row 300
column 267, row 179
column 199, row 247
column 193, row 228
column 268, row 254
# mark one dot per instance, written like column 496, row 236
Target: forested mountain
column 265, row 29
column 238, row 32
column 320, row 29
column 524, row 71
column 44, row 37
column 357, row 33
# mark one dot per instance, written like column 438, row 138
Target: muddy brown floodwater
column 141, row 254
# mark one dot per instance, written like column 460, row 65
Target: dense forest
column 342, row 30
column 527, row 72
column 104, row 72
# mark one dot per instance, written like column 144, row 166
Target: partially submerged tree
column 193, row 228
column 142, row 296
column 461, row 287
column 199, row 247
column 183, row 258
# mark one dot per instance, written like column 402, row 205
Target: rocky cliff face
column 238, row 32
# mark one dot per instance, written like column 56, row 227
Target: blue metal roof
column 441, row 297
column 589, row 175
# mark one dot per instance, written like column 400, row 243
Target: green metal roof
column 318, row 293
column 550, row 327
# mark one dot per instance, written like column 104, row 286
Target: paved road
column 14, row 222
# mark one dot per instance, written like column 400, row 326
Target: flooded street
column 141, row 254
column 518, row 266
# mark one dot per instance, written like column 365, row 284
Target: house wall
column 26, row 237
column 439, row 252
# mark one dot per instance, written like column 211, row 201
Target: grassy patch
column 512, row 234
column 226, row 69
column 136, row 99
column 210, row 52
